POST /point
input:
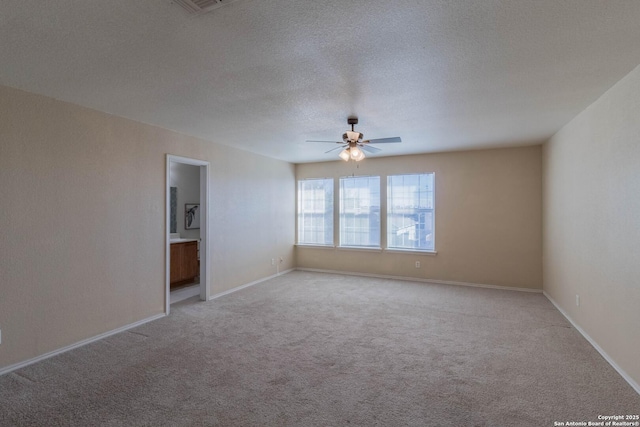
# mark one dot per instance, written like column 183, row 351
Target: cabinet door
column 190, row 265
column 175, row 266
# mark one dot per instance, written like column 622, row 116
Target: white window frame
column 329, row 185
column 341, row 221
column 390, row 212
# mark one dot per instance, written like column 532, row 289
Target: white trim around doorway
column 205, row 247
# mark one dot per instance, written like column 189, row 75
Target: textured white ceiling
column 265, row 75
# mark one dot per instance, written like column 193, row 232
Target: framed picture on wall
column 191, row 216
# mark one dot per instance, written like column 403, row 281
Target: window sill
column 359, row 248
column 367, row 249
column 411, row 251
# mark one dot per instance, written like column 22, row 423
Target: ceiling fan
column 353, row 146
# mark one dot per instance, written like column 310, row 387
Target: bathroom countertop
column 181, row 240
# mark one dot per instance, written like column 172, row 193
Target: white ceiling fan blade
column 369, row 149
column 334, row 149
column 332, row 142
column 382, row 140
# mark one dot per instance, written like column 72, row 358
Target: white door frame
column 205, row 263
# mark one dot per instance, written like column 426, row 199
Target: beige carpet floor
column 311, row 349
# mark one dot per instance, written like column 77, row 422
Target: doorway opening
column 187, row 265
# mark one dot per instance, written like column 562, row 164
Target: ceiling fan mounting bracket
column 352, row 120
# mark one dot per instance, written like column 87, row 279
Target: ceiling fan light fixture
column 344, row 155
column 356, row 153
column 353, row 136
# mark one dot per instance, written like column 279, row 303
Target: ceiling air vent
column 202, row 6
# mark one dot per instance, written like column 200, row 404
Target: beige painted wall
column 592, row 221
column 488, row 218
column 82, row 223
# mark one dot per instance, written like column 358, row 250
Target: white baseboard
column 40, row 358
column 417, row 279
column 595, row 345
column 246, row 285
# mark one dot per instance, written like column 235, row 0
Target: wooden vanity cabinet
column 184, row 266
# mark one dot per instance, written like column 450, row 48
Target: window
column 360, row 211
column 410, row 221
column 315, row 211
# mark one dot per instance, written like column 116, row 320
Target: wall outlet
column 577, row 300
column 273, row 261
column 417, row 264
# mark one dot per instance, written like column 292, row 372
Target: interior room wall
column 82, row 224
column 488, row 218
column 592, row 221
column 186, row 178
